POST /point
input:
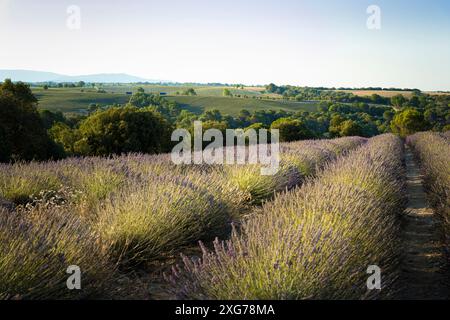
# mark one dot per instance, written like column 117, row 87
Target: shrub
column 123, row 130
column 147, row 208
column 39, row 243
column 96, row 178
column 298, row 161
column 350, row 128
column 408, row 122
column 313, row 243
column 19, row 183
column 433, row 151
column 65, row 136
column 22, row 133
column 291, row 129
column 153, row 220
column 248, row 178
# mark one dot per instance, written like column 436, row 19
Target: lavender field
column 140, row 227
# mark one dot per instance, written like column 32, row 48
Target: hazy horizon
column 251, row 42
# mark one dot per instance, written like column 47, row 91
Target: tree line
column 145, row 124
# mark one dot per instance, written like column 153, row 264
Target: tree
column 45, row 87
column 408, row 122
column 323, row 106
column 256, row 126
column 398, row 100
column 211, row 115
column 271, row 88
column 141, row 99
column 414, row 101
column 185, row 119
column 120, row 130
column 335, row 124
column 388, row 115
column 430, row 115
column 291, row 129
column 190, row 92
column 213, row 124
column 350, row 128
column 22, row 133
column 375, row 98
column 243, row 118
column 19, row 91
column 66, row 137
column 49, row 118
column 227, row 93
column 168, row 109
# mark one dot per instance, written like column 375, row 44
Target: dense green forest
column 145, row 123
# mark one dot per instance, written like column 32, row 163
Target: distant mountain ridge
column 42, row 76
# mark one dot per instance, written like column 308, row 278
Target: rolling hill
column 232, row 106
column 78, row 100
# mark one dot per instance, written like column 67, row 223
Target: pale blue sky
column 310, row 42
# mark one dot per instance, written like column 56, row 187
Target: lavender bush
column 433, row 151
column 299, row 160
column 38, row 243
column 99, row 212
column 313, row 243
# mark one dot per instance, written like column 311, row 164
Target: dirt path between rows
column 422, row 275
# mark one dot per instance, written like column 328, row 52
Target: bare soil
column 423, row 275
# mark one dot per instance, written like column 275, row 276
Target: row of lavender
column 433, row 151
column 101, row 213
column 316, row 242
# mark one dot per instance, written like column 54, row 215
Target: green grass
column 73, row 100
column 232, row 106
column 172, row 90
column 122, row 89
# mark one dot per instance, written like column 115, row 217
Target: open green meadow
column 77, row 100
column 216, row 91
column 232, row 106
column 74, row 99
